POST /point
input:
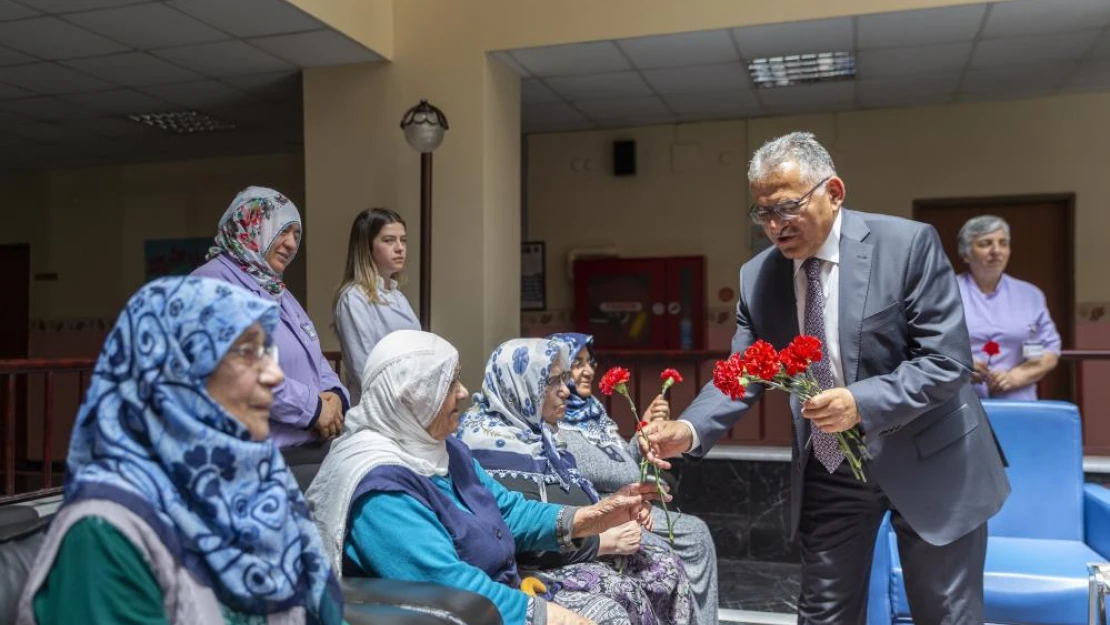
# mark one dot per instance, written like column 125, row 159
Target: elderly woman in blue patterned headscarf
column 592, row 437
column 512, row 432
column 178, row 508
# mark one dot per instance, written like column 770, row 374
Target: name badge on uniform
column 309, row 330
column 1031, row 350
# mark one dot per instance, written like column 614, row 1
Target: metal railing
column 22, row 381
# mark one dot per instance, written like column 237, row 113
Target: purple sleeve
column 1046, row 329
column 295, row 404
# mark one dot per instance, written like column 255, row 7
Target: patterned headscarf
column 150, row 437
column 587, row 414
column 504, row 428
column 248, row 229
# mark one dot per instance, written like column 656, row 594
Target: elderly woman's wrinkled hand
column 558, row 615
column 630, row 503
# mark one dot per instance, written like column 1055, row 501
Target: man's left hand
column 832, row 411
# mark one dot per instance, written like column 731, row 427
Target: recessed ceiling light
column 798, row 69
column 182, row 122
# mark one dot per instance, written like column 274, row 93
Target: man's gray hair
column 977, row 227
column 814, row 161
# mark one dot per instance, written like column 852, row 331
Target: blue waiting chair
column 1040, row 543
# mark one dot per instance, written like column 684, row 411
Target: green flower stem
column 623, row 390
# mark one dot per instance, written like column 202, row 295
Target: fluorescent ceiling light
column 182, row 122
column 800, row 69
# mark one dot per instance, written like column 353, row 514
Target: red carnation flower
column 991, row 348
column 614, row 379
column 727, row 374
column 641, row 425
column 806, row 347
column 761, row 360
column 671, row 374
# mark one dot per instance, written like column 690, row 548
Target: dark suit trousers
column 839, row 522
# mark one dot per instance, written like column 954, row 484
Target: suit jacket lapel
column 855, row 277
column 783, row 283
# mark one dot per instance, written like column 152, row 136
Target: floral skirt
column 653, row 587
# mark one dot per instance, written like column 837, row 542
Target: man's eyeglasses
column 253, row 354
column 785, row 211
column 556, row 381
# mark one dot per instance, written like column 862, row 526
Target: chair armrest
column 463, row 605
column 1096, row 518
column 375, row 614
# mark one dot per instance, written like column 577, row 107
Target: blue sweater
column 393, row 535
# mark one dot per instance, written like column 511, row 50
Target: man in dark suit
column 880, row 294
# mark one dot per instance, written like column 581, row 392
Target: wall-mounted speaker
column 624, row 158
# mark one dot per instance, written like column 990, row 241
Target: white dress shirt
column 829, row 253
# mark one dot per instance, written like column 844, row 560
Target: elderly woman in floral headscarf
column 399, row 497
column 607, row 459
column 178, row 508
column 511, row 430
column 257, row 238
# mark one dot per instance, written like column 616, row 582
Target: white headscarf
column 404, row 383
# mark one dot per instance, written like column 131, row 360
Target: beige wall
column 88, row 225
column 888, row 158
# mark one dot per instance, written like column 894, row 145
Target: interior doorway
column 1042, row 232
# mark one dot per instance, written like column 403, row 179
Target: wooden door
column 1041, row 233
column 15, row 283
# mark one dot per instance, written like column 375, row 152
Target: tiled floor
column 758, row 586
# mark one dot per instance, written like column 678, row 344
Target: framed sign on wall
column 533, row 276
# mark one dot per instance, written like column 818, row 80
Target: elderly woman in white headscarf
column 398, row 497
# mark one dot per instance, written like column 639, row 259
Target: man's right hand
column 665, row 439
column 330, row 423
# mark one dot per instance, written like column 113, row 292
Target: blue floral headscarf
column 504, row 428
column 150, row 437
column 587, row 414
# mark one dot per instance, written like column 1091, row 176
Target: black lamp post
column 424, row 126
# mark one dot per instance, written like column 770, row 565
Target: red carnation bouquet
column 786, row 370
column 616, row 379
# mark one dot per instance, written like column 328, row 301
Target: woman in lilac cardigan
column 258, row 237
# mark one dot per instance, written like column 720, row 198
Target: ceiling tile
column 839, row 91
column 698, row 78
column 8, row 92
column 120, row 102
column 540, row 126
column 10, row 119
column 740, row 102
column 808, row 107
column 680, row 49
column 205, row 94
column 1024, row 78
column 65, row 6
column 133, row 69
column 227, row 58
column 920, row 28
column 618, row 108
column 771, row 40
column 11, row 11
column 902, row 101
column 41, row 131
column 1101, row 49
column 11, row 57
column 508, row 59
column 111, row 127
column 919, row 85
column 1032, row 50
column 1089, row 76
column 279, row 87
column 1016, row 92
column 533, row 91
column 576, row 58
column 554, row 112
column 147, row 26
column 249, row 18
column 633, row 121
column 880, row 63
column 599, row 86
column 316, row 49
column 50, row 79
column 51, row 38
column 47, row 108
column 1034, row 17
